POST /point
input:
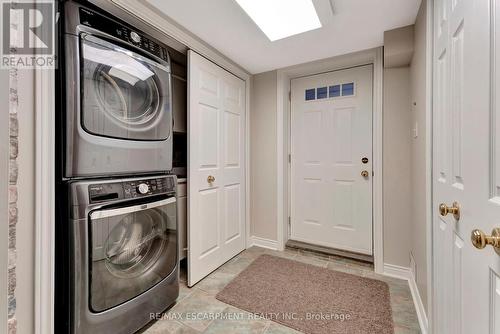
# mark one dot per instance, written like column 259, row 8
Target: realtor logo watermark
column 28, row 34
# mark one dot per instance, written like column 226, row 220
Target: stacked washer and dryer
column 117, row 252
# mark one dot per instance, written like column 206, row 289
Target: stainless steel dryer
column 118, row 108
column 123, row 253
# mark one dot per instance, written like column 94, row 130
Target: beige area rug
column 311, row 299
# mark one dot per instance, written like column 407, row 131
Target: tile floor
column 197, row 310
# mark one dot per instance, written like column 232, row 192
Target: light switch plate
column 415, row 130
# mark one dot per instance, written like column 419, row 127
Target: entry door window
column 132, row 249
column 125, row 95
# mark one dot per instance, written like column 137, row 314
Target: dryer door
column 125, row 95
column 131, row 250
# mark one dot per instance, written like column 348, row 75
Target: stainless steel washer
column 118, row 98
column 123, row 252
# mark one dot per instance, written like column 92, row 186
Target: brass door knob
column 454, row 209
column 210, row 179
column 364, row 173
column 480, row 240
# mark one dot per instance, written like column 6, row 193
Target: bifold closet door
column 216, row 166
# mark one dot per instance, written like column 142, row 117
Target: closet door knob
column 210, row 179
column 454, row 209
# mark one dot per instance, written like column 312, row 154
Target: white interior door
column 331, row 146
column 216, row 166
column 466, row 165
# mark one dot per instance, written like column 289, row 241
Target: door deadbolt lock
column 364, row 160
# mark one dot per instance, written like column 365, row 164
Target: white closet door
column 216, row 172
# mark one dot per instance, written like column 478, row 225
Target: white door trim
column 372, row 56
column 44, row 289
column 428, row 156
column 44, row 201
column 378, row 108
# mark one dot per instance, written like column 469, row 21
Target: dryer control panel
column 113, row 191
column 97, row 21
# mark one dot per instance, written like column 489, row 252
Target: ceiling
column 347, row 26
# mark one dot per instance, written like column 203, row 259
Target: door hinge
column 289, row 158
column 289, row 96
column 289, row 221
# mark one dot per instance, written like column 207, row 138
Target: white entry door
column 466, row 165
column 332, row 159
column 216, row 166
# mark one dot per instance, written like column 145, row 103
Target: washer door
column 132, row 249
column 125, row 95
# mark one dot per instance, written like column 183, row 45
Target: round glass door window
column 135, row 244
column 130, row 253
column 124, row 97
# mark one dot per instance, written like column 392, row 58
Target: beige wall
column 397, row 166
column 418, row 153
column 263, row 158
column 405, row 159
column 398, row 46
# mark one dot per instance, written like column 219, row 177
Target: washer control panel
column 141, row 188
column 112, row 191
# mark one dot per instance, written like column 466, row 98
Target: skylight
column 282, row 18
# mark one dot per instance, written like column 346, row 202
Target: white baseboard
column 419, row 306
column 406, row 274
column 397, row 271
column 264, row 243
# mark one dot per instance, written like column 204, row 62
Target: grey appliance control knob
column 143, row 188
column 135, row 37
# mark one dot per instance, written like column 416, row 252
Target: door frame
column 284, row 76
column 429, row 68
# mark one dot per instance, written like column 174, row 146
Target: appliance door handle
column 129, row 209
